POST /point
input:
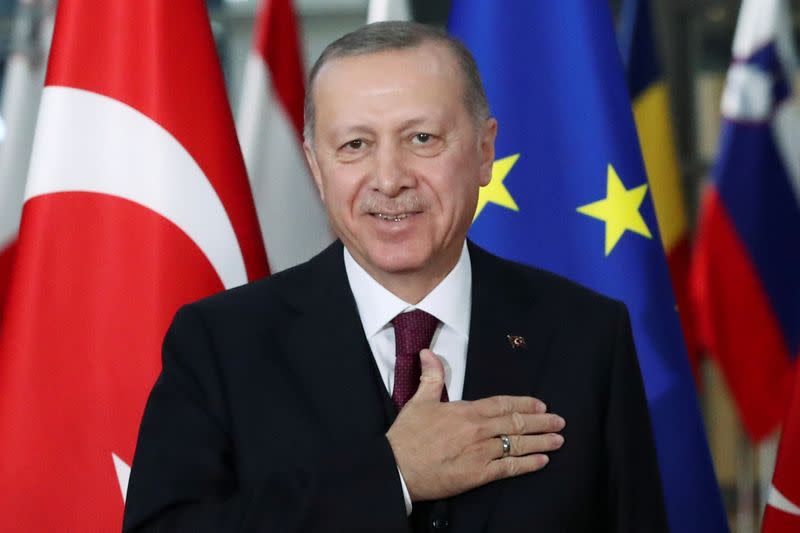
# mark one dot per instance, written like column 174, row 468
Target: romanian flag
column 569, row 194
column 651, row 111
column 746, row 266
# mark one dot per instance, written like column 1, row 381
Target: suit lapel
column 331, row 355
column 334, row 365
column 503, row 304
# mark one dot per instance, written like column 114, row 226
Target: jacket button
column 440, row 523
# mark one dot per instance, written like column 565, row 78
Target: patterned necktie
column 413, row 332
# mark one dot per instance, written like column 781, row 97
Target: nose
column 390, row 172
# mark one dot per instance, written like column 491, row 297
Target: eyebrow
column 414, row 122
column 406, row 124
column 347, row 131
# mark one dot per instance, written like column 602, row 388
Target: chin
column 397, row 258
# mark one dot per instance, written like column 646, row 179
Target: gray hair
column 399, row 35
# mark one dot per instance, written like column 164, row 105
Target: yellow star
column 619, row 210
column 495, row 191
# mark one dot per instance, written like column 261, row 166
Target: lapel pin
column 517, row 342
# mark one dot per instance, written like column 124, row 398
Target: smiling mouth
column 392, row 218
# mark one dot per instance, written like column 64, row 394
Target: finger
column 432, row 379
column 521, row 424
column 516, row 466
column 505, row 405
column 529, row 444
column 491, row 449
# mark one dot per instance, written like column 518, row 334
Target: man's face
column 398, row 158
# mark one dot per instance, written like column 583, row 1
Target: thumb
column 432, row 379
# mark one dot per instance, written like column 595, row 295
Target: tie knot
column 414, row 331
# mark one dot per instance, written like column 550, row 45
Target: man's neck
column 413, row 286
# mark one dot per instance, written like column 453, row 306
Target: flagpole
column 22, row 88
column 380, row 10
column 745, row 487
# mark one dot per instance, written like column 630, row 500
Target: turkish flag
column 137, row 202
column 270, row 123
column 783, row 504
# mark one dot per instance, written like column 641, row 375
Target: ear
column 314, row 166
column 488, row 134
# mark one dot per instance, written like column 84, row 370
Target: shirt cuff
column 406, row 495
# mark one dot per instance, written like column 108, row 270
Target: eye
column 353, row 150
column 422, row 138
column 426, row 144
column 355, row 144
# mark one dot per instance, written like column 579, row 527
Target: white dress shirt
column 450, row 302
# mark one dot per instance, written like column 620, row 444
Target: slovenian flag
column 746, row 268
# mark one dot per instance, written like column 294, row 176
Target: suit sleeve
column 185, row 477
column 635, row 492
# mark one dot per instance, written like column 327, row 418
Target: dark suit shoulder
column 276, row 292
column 562, row 292
column 545, row 287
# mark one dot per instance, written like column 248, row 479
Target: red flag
column 270, row 124
column 137, row 202
column 783, row 505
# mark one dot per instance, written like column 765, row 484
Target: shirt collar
column 450, row 301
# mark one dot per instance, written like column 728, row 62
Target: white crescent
column 89, row 142
column 779, row 501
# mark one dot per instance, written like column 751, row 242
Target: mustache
column 405, row 203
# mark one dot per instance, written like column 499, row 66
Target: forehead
column 429, row 57
column 428, row 72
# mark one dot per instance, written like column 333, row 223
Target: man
column 277, row 407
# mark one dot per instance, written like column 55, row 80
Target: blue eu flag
column 569, row 194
